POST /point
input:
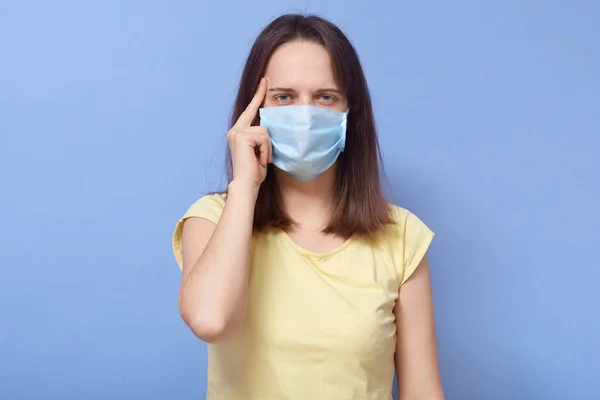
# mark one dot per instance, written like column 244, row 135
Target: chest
column 315, row 242
column 340, row 303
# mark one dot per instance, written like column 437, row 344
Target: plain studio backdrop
column 112, row 122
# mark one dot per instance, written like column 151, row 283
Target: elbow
column 206, row 327
column 211, row 331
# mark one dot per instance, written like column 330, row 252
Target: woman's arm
column 416, row 349
column 214, row 282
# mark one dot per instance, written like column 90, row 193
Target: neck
column 308, row 203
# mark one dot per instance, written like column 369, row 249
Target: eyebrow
column 328, row 90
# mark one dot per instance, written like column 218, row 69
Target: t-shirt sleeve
column 416, row 238
column 207, row 207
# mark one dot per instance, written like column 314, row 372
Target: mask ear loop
column 345, row 130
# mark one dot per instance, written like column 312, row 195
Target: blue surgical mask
column 306, row 140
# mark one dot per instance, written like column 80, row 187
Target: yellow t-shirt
column 318, row 326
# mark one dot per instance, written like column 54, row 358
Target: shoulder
column 209, row 207
column 408, row 238
column 406, row 222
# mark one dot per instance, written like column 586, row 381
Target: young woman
column 306, row 283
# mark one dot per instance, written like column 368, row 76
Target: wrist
column 243, row 188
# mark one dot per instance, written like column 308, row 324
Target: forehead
column 301, row 65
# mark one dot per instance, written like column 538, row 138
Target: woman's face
column 300, row 73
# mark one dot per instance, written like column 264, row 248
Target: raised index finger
column 245, row 120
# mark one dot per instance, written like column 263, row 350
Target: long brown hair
column 359, row 206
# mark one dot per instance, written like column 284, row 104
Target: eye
column 327, row 98
column 282, row 98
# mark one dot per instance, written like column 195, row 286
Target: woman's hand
column 250, row 146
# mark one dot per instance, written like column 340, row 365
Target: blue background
column 112, row 122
